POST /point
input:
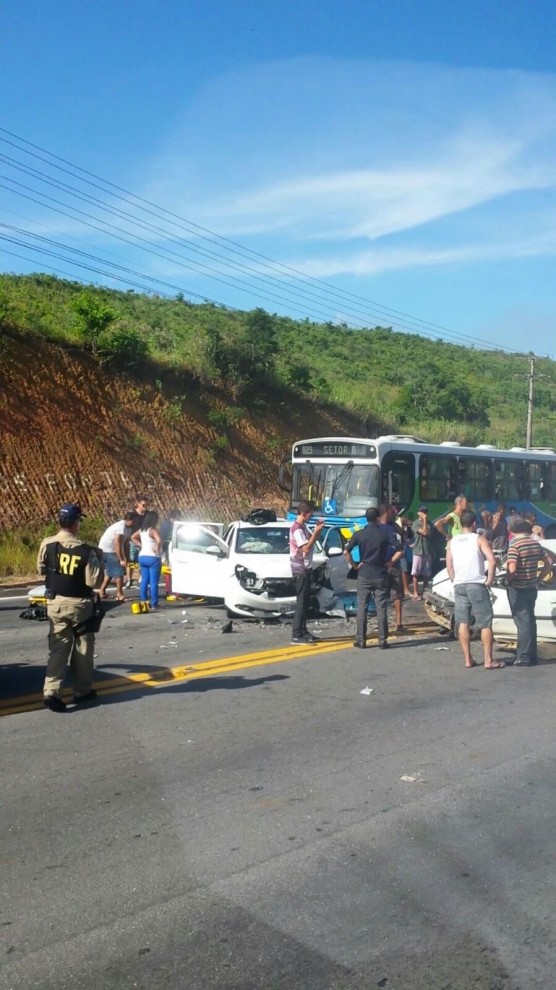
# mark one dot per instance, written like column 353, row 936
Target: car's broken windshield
column 257, row 540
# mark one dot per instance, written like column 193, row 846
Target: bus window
column 354, row 488
column 336, row 489
column 508, row 480
column 398, row 478
column 475, row 479
column 535, row 473
column 438, row 477
column 307, row 484
column 549, row 481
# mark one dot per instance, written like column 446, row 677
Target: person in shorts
column 422, row 558
column 112, row 545
column 466, row 555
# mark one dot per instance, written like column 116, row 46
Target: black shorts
column 395, row 583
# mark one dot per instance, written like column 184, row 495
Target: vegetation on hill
column 391, row 381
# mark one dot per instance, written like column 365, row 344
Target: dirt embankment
column 72, row 430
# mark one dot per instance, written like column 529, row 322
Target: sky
column 366, row 162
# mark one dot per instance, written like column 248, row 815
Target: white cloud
column 377, row 260
column 316, row 159
column 373, row 203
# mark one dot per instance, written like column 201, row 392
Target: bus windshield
column 339, row 489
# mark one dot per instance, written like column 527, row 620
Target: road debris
column 367, row 690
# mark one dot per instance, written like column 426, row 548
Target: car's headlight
column 249, row 580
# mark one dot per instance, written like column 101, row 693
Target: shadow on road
column 21, row 685
column 199, row 685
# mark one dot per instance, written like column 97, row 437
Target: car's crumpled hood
column 272, row 565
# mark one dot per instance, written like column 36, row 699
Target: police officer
column 72, row 569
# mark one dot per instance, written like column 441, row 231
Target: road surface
column 258, row 822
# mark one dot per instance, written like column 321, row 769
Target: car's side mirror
column 215, row 551
column 334, row 552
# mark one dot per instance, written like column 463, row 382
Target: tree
column 431, row 394
column 94, row 317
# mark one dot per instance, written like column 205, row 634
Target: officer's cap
column 70, row 512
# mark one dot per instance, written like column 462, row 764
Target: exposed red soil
column 72, row 430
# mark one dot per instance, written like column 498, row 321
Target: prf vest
column 65, row 571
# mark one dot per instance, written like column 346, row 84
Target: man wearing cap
column 72, row 569
column 421, row 565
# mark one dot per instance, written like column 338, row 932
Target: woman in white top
column 150, row 558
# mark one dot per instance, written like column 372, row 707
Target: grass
column 19, row 547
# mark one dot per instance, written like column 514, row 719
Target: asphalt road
column 253, row 829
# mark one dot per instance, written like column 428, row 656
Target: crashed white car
column 247, row 566
column 439, row 604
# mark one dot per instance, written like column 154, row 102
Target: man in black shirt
column 374, row 543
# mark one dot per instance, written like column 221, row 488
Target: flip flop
column 122, row 599
column 469, row 666
column 496, row 666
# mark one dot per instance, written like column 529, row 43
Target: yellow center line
column 187, row 672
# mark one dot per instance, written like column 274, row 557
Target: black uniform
column 374, row 543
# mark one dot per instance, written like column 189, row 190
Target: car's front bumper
column 439, row 609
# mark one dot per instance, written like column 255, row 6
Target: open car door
column 198, row 560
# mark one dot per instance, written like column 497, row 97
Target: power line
column 104, row 226
column 192, row 226
column 108, row 228
column 334, row 293
column 201, row 268
column 415, row 325
column 264, row 298
column 34, row 173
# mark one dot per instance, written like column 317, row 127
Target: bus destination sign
column 334, row 449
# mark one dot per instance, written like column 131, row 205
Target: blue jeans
column 522, row 603
column 150, row 576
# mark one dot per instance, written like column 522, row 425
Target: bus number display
column 335, row 450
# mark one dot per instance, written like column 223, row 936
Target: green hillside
column 390, row 380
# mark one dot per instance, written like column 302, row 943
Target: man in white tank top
column 466, row 555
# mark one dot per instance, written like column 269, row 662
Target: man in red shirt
column 527, row 563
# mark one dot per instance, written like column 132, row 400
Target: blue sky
column 402, row 152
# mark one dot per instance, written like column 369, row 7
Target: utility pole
column 531, row 377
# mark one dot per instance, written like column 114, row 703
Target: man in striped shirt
column 527, row 563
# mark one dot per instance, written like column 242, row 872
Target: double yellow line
column 190, row 672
